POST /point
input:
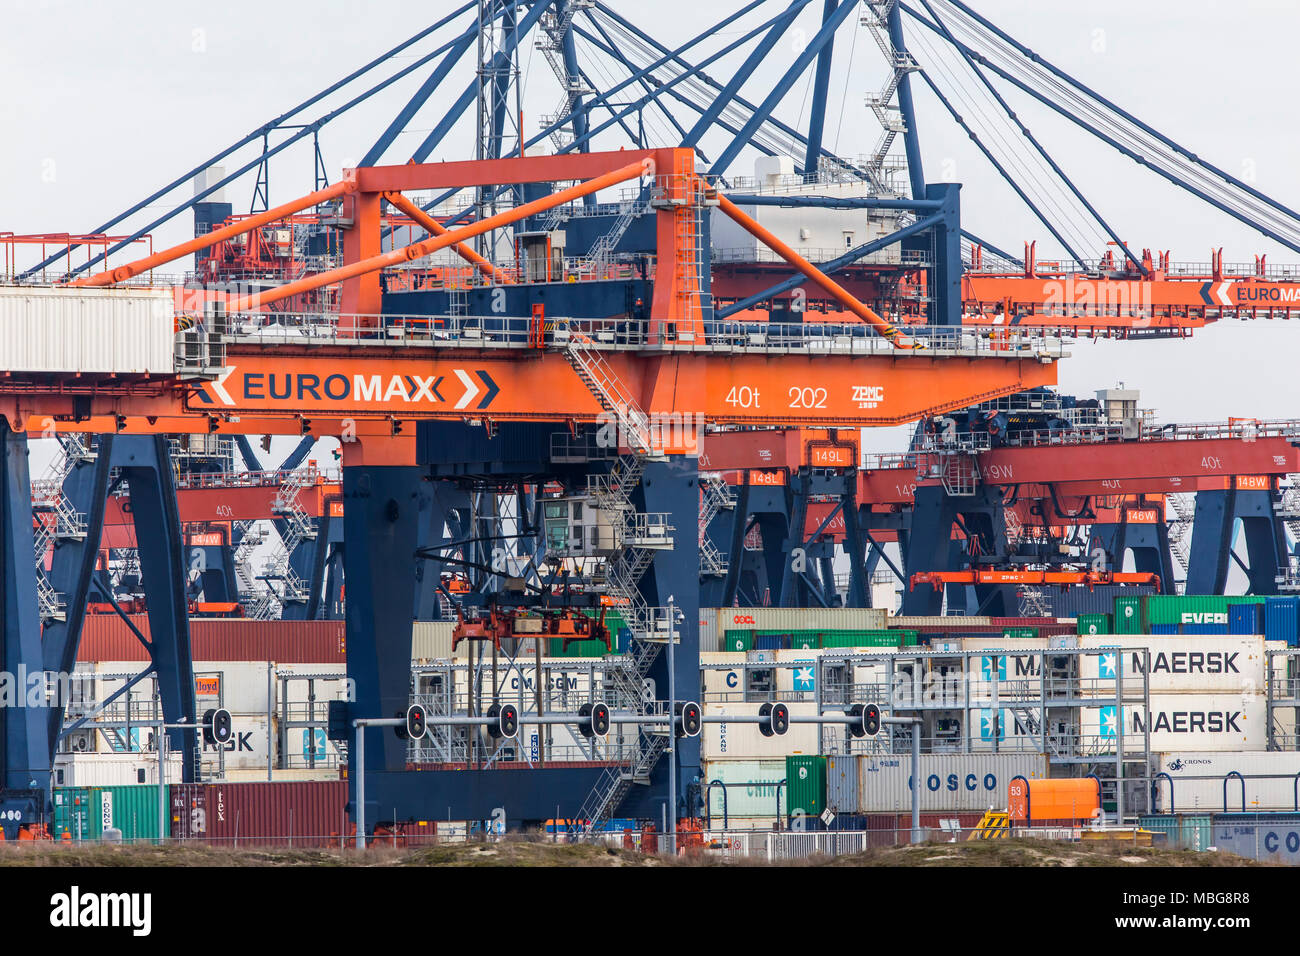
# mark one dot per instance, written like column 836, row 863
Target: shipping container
column 1282, row 619
column 1200, row 781
column 738, row 640
column 806, row 784
column 1177, row 722
column 1185, row 609
column 431, row 640
column 771, row 641
column 106, row 637
column 744, row 740
column 88, row 330
column 1245, row 618
column 949, row 782
column 1259, row 836
column 84, row 813
column 842, row 782
column 261, row 814
column 918, row 621
column 754, row 789
column 1182, row 831
column 1128, row 615
column 113, row 770
column 802, row 619
column 1071, row 602
column 1179, row 665
column 1093, row 624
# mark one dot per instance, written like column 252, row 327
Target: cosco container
column 1205, row 781
column 806, row 782
column 949, row 782
column 123, row 331
column 1259, row 836
column 745, row 788
column 1282, row 619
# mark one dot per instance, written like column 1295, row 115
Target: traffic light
column 415, row 722
column 266, row 443
column 504, row 720
column 337, row 720
column 776, row 719
column 217, row 727
column 401, row 730
column 855, row 725
column 593, row 720
column 871, row 720
column 687, row 721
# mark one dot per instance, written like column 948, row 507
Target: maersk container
column 1282, row 619
column 1216, row 722
column 753, row 788
column 1259, row 836
column 1093, row 624
column 806, row 782
column 1245, row 618
column 949, row 782
column 88, row 330
column 1197, row 780
column 1187, row 665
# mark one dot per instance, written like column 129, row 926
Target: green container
column 906, row 638
column 576, row 648
column 805, row 640
column 737, row 640
column 1093, row 624
column 85, row 812
column 1128, row 616
column 1020, row 634
column 1182, row 831
column 861, row 638
column 1178, row 609
column 805, row 784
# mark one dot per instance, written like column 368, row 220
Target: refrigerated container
column 1179, row 665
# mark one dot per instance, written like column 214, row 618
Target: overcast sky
column 106, row 101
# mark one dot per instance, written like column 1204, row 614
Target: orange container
column 1075, row 798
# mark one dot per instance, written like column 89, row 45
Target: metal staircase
column 602, row 250
column 56, row 519
column 617, row 781
column 876, row 20
column 553, row 25
column 1180, row 528
column 715, row 497
column 296, row 526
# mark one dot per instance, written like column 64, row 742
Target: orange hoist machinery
column 517, row 623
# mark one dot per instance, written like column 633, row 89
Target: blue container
column 1164, row 628
column 1259, row 836
column 1282, row 619
column 1198, row 629
column 772, row 642
column 1245, row 619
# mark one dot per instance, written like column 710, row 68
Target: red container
column 307, row 814
column 106, row 637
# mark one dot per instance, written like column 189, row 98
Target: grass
column 525, row 852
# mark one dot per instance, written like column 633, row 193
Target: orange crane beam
column 122, row 273
column 833, row 288
column 438, row 229
column 426, row 247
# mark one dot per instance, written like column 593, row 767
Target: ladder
column 876, row 20
column 715, row 497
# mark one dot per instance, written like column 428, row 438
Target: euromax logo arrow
column 472, row 389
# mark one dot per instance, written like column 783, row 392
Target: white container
column 251, row 735
column 751, row 791
column 744, row 740
column 431, row 640
column 1198, row 781
column 1213, row 722
column 112, row 770
column 956, row 623
column 127, row 331
column 949, row 782
column 1215, row 664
